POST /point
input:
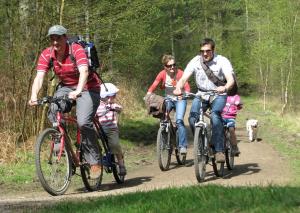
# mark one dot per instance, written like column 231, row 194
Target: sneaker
column 122, row 170
column 95, row 171
column 235, row 150
column 220, row 157
column 183, row 150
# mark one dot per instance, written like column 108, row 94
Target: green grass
column 139, row 131
column 19, row 173
column 209, row 198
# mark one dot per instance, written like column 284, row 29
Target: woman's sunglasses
column 171, row 65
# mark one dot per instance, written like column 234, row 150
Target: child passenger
column 233, row 104
column 107, row 114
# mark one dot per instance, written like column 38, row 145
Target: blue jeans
column 229, row 122
column 179, row 106
column 216, row 106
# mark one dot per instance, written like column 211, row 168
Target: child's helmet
column 108, row 90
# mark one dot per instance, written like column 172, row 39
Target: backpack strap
column 72, row 57
column 50, row 65
column 211, row 76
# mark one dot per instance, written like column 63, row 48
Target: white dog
column 252, row 128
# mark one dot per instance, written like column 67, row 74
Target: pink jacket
column 233, row 104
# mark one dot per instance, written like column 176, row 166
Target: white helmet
column 110, row 90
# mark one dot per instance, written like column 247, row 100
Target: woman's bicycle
column 167, row 141
column 203, row 149
column 56, row 158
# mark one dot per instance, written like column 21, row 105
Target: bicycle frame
column 167, row 121
column 102, row 136
column 108, row 159
column 55, row 155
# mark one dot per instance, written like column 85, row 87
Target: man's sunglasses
column 205, row 51
column 171, row 65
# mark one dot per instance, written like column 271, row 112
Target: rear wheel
column 89, row 183
column 200, row 156
column 116, row 172
column 181, row 159
column 164, row 148
column 229, row 156
column 54, row 170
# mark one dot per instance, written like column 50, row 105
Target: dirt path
column 258, row 164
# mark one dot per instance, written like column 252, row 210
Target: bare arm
column 36, row 86
column 180, row 84
column 84, row 73
column 230, row 81
column 155, row 83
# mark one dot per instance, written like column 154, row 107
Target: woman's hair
column 166, row 58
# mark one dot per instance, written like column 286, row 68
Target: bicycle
column 167, row 140
column 203, row 150
column 56, row 160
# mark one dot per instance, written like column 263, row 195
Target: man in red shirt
column 76, row 81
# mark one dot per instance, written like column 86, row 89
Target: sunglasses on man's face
column 170, row 65
column 205, row 51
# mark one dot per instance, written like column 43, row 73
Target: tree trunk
column 53, row 83
column 247, row 15
column 110, row 50
column 171, row 20
column 87, row 17
column 290, row 72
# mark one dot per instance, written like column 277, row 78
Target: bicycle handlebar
column 51, row 99
column 208, row 92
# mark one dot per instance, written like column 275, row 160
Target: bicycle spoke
column 164, row 149
column 54, row 173
column 199, row 155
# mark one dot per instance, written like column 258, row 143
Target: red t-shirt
column 161, row 77
column 67, row 71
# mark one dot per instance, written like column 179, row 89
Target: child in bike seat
column 107, row 114
column 233, row 104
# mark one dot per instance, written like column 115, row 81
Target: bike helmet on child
column 108, row 90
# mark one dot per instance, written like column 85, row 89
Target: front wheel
column 89, row 183
column 163, row 148
column 54, row 169
column 200, row 156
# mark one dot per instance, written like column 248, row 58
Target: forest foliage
column 261, row 39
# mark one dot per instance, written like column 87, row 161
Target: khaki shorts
column 113, row 141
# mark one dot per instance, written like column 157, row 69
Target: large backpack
column 90, row 51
